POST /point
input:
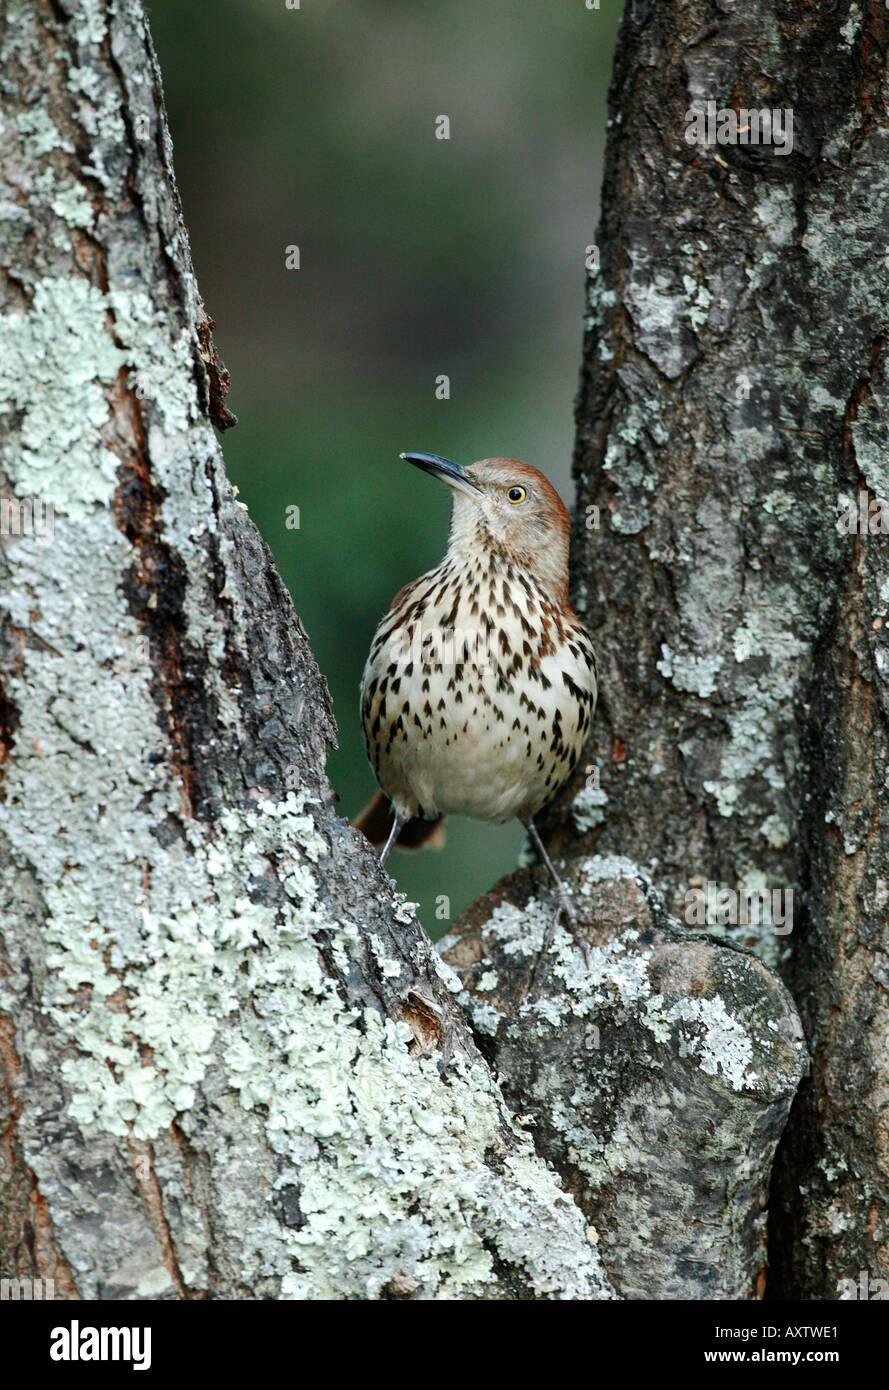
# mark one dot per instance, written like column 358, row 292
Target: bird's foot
column 566, row 905
column 565, row 910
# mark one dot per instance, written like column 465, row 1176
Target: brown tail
column 376, row 822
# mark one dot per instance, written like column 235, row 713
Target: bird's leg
column 565, row 903
column 398, row 823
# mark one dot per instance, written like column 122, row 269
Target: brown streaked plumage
column 480, row 686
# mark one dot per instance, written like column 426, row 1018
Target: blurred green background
column 418, row 257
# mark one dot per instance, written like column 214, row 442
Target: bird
column 480, row 687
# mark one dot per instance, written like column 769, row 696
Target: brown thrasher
column 480, row 687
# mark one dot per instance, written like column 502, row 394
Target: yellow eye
column 516, row 494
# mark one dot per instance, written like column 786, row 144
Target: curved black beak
column 457, row 477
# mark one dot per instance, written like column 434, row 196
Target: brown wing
column 375, row 821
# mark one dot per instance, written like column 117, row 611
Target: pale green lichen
column 39, row 131
column 182, row 974
column 870, row 438
column 690, row 672
column 404, row 911
column 620, row 972
column 721, row 1044
column 780, row 504
column 726, row 795
column 448, row 976
column 776, row 831
column 91, row 20
column 84, row 82
column 390, row 969
column 485, row 1018
column 74, row 207
column 776, row 212
column 700, row 298
column 850, row 30
column 161, row 365
column 587, row 808
column 56, row 361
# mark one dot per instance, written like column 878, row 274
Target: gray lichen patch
column 588, row 808
column 55, row 361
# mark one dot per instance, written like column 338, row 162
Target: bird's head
column 508, row 507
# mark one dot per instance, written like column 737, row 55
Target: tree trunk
column 732, row 401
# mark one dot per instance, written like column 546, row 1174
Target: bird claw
column 565, row 908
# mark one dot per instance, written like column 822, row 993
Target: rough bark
column 232, row 1063
column 733, row 394
column 654, row 1068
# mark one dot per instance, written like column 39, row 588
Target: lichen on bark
column 654, row 1067
column 730, row 403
